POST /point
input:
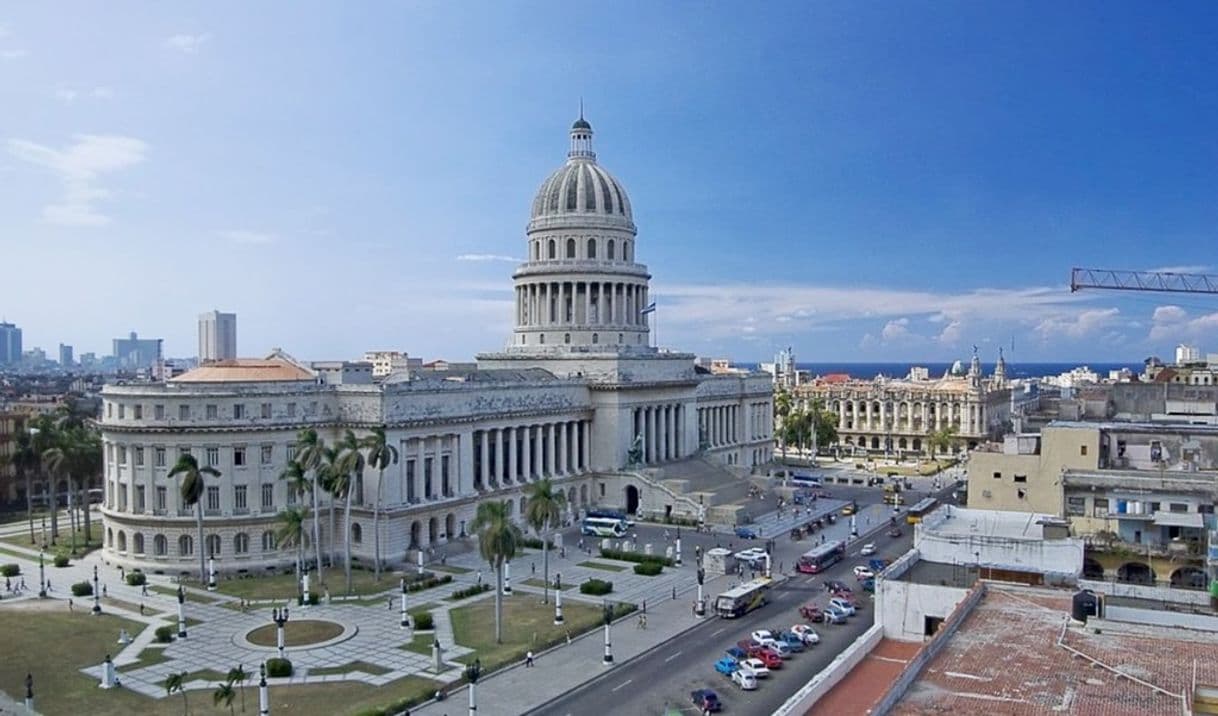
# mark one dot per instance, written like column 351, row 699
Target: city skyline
column 836, row 179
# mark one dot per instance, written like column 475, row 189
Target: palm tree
column 191, row 489
column 25, row 462
column 328, row 479
column 292, row 533
column 782, row 408
column 498, row 538
column 43, row 438
column 940, row 439
column 380, row 456
column 349, row 470
column 224, row 694
column 57, row 462
column 542, row 512
column 174, row 683
column 87, row 465
column 310, row 449
column 239, row 676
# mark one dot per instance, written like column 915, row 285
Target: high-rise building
column 135, row 353
column 10, row 344
column 217, row 336
column 65, row 356
column 1187, row 354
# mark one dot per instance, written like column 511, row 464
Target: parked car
column 745, row 680
column 849, row 599
column 861, row 573
column 878, row 565
column 748, row 645
column 835, row 585
column 868, row 549
column 737, row 653
column 768, row 656
column 765, row 637
column 755, row 667
column 811, row 612
column 793, row 641
column 842, row 604
column 754, row 557
column 726, row 666
column 833, row 615
column 848, row 510
column 705, row 700
column 806, row 633
column 773, row 643
column 868, row 585
column 746, row 533
column 894, row 531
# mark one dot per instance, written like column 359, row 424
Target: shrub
column 422, row 621
column 136, row 579
column 9, row 570
column 535, row 543
column 637, row 557
column 279, row 668
column 61, row 561
column 82, row 589
column 165, row 634
column 313, row 599
column 596, row 587
column 648, row 569
column 471, row 591
column 428, row 583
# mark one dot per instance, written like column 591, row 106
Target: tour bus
column 603, row 527
column 743, row 599
column 920, row 510
column 800, row 479
column 818, row 559
column 612, row 514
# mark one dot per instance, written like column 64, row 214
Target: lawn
column 284, row 586
column 148, row 657
column 352, row 666
column 301, row 632
column 540, row 583
column 420, row 644
column 63, row 544
column 602, row 566
column 451, row 569
column 173, row 592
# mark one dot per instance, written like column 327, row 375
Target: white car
column 861, row 573
column 868, row 549
column 843, row 606
column 754, row 667
column 806, row 633
column 744, row 679
column 765, row 637
column 753, row 556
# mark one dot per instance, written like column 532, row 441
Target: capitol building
column 578, row 395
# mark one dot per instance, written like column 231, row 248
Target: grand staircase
column 699, row 482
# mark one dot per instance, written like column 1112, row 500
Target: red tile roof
column 834, row 378
column 861, row 689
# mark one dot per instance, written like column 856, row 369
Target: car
column 748, row 645
column 765, row 637
column 849, row 599
column 746, row 533
column 868, row 585
column 726, row 666
column 878, row 565
column 847, row 510
column 868, row 549
column 836, row 585
column 775, row 645
column 756, row 667
column 768, row 656
column 843, row 605
column 861, row 573
column 833, row 615
column 737, row 653
column 753, row 556
column 894, row 531
column 812, row 613
column 806, row 633
column 745, row 680
column 705, row 699
column 793, row 641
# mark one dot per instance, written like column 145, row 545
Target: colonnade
column 580, row 303
column 968, row 417
column 719, row 424
column 431, row 468
column 661, row 427
column 519, row 454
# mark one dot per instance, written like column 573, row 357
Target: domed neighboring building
column 578, row 396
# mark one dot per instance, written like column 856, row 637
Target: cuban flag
column 651, row 308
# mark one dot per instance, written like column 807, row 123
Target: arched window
column 138, row 542
column 268, row 541
column 186, row 546
column 357, row 533
column 620, row 337
column 553, row 248
column 566, row 338
column 213, row 545
column 627, row 251
column 591, row 248
column 542, row 339
column 241, row 543
column 160, row 545
column 609, row 250
column 570, row 248
column 122, row 541
column 534, row 250
column 110, row 538
column 596, row 338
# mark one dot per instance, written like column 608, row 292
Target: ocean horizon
column 938, row 368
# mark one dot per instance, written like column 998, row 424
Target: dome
column 581, row 123
column 581, row 186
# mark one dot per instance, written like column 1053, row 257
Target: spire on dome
column 581, row 137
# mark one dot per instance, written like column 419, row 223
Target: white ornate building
column 567, row 399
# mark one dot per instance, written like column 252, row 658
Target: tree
column 191, row 488
column 174, row 683
column 87, row 464
column 292, row 531
column 310, row 450
column 42, row 438
column 224, row 694
column 498, row 539
column 940, row 439
column 543, row 511
column 57, row 462
column 782, row 408
column 25, row 462
column 239, row 676
column 329, row 480
column 348, row 473
column 380, row 456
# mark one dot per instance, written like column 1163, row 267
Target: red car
column 768, row 656
column 812, row 613
column 748, row 645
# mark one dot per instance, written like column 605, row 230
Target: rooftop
column 246, row 370
column 950, row 520
column 858, row 692
column 1136, row 427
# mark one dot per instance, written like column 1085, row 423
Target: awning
column 1179, row 519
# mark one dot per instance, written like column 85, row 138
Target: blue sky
column 862, row 182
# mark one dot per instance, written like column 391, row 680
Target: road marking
column 622, row 685
column 721, row 630
column 672, row 657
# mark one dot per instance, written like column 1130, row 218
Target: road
column 665, row 677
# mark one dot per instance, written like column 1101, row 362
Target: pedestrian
column 23, row 584
column 528, row 658
column 638, row 624
column 141, row 609
column 644, row 620
column 104, row 592
column 693, row 609
column 533, row 568
column 389, row 606
column 568, row 637
column 70, row 605
column 479, row 577
column 144, row 590
column 8, row 584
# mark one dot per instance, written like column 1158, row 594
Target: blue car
column 745, row 533
column 737, row 653
column 726, row 666
column 792, row 640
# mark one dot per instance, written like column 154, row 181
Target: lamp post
column 700, row 605
column 280, row 617
column 211, row 573
column 608, row 619
column 305, row 601
column 854, row 530
column 472, row 672
column 558, row 599
column 42, row 575
column 181, row 612
column 96, row 593
column 507, row 578
column 405, row 621
column 264, row 698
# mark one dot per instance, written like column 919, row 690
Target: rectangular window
column 1154, row 506
column 183, row 451
column 122, row 454
column 239, row 498
column 122, row 497
column 266, row 410
column 291, row 410
column 1100, row 508
column 109, row 453
column 238, row 457
column 158, row 412
column 410, row 481
column 158, row 455
column 122, row 411
column 998, row 476
column 137, row 412
column 291, row 452
column 139, row 456
column 1076, row 505
column 1178, row 507
column 1082, row 449
column 444, row 487
column 268, row 454
column 238, row 411
column 1021, row 478
column 427, row 477
column 109, row 410
column 268, row 497
column 139, row 498
column 213, row 456
column 212, row 412
column 213, row 498
column 160, row 498
column 291, row 497
column 183, row 412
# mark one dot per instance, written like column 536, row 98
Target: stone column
column 538, row 458
column 661, row 433
column 587, row 445
column 653, row 440
column 485, row 471
column 526, row 454
column 560, row 435
column 551, row 450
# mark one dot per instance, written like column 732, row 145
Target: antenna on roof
column 581, row 107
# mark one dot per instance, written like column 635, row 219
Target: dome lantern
column 581, row 139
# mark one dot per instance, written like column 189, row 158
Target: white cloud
column 245, row 236
column 489, row 257
column 189, row 44
column 65, row 95
column 1078, row 325
column 79, row 166
column 12, row 54
column 951, row 333
column 896, row 330
column 1174, row 323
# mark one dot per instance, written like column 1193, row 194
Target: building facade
column 12, row 490
column 578, row 396
column 10, row 344
column 134, row 353
column 217, row 336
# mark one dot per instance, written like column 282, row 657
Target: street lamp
column 211, row 572
column 608, row 619
column 405, row 620
column 507, row 579
column 96, row 593
column 181, row 612
column 472, row 672
column 42, row 575
column 280, row 617
column 264, row 698
column 677, row 562
column 558, row 599
column 700, row 605
column 305, row 600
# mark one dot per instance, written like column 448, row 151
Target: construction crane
column 1161, row 281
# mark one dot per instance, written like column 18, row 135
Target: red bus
column 818, row 559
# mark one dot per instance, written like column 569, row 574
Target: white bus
column 743, row 599
column 603, row 527
column 805, row 480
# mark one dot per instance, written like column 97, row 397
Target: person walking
column 528, row 659
column 70, row 605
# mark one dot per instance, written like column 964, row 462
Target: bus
column 743, row 599
column 603, row 527
column 818, row 559
column 611, row 514
column 920, row 510
column 800, row 479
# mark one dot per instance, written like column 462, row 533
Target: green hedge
column 471, row 591
column 648, row 569
column 9, row 570
column 165, row 634
column 535, row 543
column 136, row 579
column 596, row 587
column 428, row 583
column 422, row 621
column 61, row 561
column 637, row 557
column 278, row 668
column 313, row 599
column 82, row 589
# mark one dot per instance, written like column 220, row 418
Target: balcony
column 1177, row 549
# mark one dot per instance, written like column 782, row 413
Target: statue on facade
column 634, row 456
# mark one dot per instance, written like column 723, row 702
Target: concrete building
column 217, row 336
column 10, row 344
column 134, row 353
column 12, row 491
column 65, row 357
column 385, row 363
column 1187, row 354
column 579, row 396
